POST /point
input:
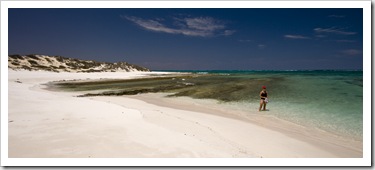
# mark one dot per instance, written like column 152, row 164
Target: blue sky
column 195, row 39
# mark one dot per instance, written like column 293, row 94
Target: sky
column 194, row 39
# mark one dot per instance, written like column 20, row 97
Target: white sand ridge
column 63, row 64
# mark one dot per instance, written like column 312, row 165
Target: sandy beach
column 51, row 124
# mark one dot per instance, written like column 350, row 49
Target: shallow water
column 328, row 100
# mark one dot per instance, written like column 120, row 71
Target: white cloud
column 320, row 36
column 245, row 41
column 333, row 30
column 200, row 26
column 346, row 41
column 152, row 25
column 296, row 37
column 229, row 32
column 261, row 46
column 203, row 23
column 336, row 16
column 351, row 52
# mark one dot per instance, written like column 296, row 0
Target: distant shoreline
column 244, row 71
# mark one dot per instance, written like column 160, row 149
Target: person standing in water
column 263, row 98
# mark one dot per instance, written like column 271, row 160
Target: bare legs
column 262, row 103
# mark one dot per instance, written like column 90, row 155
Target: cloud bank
column 351, row 52
column 296, row 37
column 198, row 26
column 333, row 30
column 336, row 16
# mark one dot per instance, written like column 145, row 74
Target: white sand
column 46, row 124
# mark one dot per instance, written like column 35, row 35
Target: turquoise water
column 328, row 100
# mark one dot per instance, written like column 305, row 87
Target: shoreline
column 316, row 137
column 137, row 126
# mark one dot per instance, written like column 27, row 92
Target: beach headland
column 55, row 124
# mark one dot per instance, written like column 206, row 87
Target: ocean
column 330, row 100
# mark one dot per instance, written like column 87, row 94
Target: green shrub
column 59, row 59
column 33, row 56
column 48, row 60
column 26, row 68
column 16, row 63
column 16, row 56
column 32, row 62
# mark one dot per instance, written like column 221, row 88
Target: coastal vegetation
column 34, row 62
